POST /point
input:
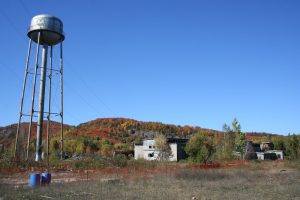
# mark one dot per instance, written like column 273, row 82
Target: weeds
column 201, row 175
column 295, row 164
column 184, row 184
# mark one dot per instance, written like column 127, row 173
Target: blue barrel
column 34, row 180
column 46, row 178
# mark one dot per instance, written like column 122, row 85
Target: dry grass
column 268, row 180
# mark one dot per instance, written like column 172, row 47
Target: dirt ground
column 232, row 180
column 20, row 176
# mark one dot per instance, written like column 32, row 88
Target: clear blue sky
column 200, row 63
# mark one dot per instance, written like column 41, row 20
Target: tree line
column 202, row 148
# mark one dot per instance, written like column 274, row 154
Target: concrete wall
column 173, row 147
column 260, row 155
column 148, row 151
column 138, row 152
column 149, row 145
column 265, row 155
column 278, row 153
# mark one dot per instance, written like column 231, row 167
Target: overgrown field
column 254, row 180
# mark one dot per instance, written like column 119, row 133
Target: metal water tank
column 50, row 27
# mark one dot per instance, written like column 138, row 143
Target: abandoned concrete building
column 148, row 151
column 253, row 151
column 262, row 151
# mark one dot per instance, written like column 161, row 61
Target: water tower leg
column 33, row 94
column 49, row 106
column 61, row 102
column 22, row 98
column 38, row 155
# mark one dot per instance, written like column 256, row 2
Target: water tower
column 45, row 31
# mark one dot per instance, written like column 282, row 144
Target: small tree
column 240, row 138
column 163, row 147
column 199, row 148
column 229, row 142
column 234, row 140
column 293, row 147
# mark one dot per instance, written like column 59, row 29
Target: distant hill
column 123, row 130
column 8, row 133
column 116, row 130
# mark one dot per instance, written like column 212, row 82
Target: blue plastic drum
column 46, row 178
column 34, row 180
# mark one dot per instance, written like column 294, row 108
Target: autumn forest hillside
column 104, row 135
column 122, row 130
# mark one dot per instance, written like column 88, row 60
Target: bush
column 293, row 147
column 199, row 148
